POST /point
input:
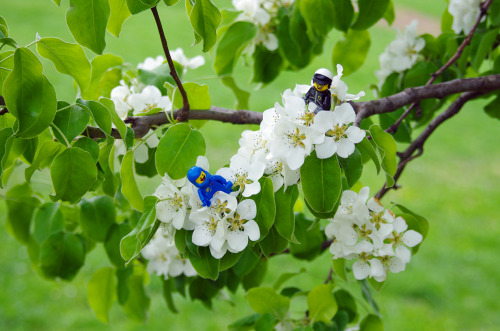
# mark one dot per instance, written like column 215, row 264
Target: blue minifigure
column 319, row 93
column 208, row 184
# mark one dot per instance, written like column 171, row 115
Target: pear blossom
column 164, row 258
column 141, row 154
column 402, row 239
column 339, row 136
column 402, row 53
column 244, row 175
column 148, row 99
column 171, row 208
column 185, row 62
column 465, row 14
column 119, row 96
column 241, row 226
column 150, row 63
column 339, row 88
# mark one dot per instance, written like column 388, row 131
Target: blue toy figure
column 207, row 184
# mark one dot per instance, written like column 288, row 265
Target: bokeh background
column 451, row 284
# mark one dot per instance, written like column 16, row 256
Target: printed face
column 201, row 178
column 320, row 87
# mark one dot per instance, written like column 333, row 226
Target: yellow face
column 201, row 178
column 320, row 88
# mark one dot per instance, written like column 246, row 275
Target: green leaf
column 205, row 18
column 99, row 112
column 338, row 266
column 132, row 244
column 170, row 2
column 246, row 263
column 369, row 13
column 6, row 65
column 118, row 14
column 137, row 303
column 117, row 121
column 87, row 20
column 321, row 303
column 73, row 172
column 44, row 156
column 492, row 108
column 318, row 15
column 273, row 243
column 205, row 265
column 284, row 220
column 266, row 209
column 353, row 167
column 112, row 243
column 485, row 48
column 68, row 59
column 97, row 215
column 266, row 65
column 321, row 182
column 366, row 147
column 229, row 260
column 20, row 208
column 389, row 14
column 265, row 323
column 101, row 293
column 137, row 6
column 415, row 222
column 130, row 190
column 310, row 236
column 352, row 50
column 387, row 149
column 244, row 323
column 346, row 302
column 371, row 323
column 62, row 255
column 343, row 13
column 204, row 290
column 286, row 276
column 48, row 220
column 89, row 145
column 167, row 294
column 265, row 300
column 242, row 96
column 5, row 135
column 256, row 276
column 198, row 98
column 71, row 122
column 30, row 97
column 231, row 44
column 178, row 149
column 101, row 66
column 106, row 162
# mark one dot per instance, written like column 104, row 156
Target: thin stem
column 184, row 112
column 484, row 9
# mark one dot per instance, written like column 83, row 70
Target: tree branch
column 418, row 144
column 182, row 115
column 484, row 9
column 414, row 94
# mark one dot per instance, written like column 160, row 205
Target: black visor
column 321, row 80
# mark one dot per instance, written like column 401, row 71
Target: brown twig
column 484, row 9
column 182, row 115
column 418, row 144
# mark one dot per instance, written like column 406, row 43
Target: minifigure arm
column 204, row 200
column 219, row 179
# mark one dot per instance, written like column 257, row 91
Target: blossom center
column 296, row 138
column 337, row 132
column 236, row 223
column 242, row 180
column 308, row 118
column 175, row 202
column 376, row 219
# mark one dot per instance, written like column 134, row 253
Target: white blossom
column 465, row 14
column 243, row 174
column 171, row 207
column 185, row 62
column 339, row 88
column 241, row 226
column 151, row 63
column 119, row 96
column 150, row 98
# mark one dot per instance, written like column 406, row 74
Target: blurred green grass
column 450, row 285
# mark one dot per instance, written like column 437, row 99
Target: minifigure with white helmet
column 319, row 93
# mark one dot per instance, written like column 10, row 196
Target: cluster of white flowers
column 261, row 13
column 127, row 99
column 465, row 14
column 164, row 258
column 371, row 235
column 178, row 56
column 402, row 53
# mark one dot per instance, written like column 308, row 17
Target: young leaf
column 5, row 135
column 118, row 14
column 30, row 97
column 99, row 112
column 48, row 220
column 137, row 303
column 112, row 243
column 346, row 302
column 97, row 215
column 132, row 244
column 87, row 20
column 20, row 208
column 321, row 303
column 485, row 47
column 266, row 65
column 117, row 121
column 338, row 266
column 352, row 50
column 353, row 167
column 369, row 13
column 343, row 13
column 273, row 243
column 6, row 65
column 231, row 44
column 205, row 18
column 101, row 65
column 73, row 172
column 285, row 219
column 387, row 148
column 62, row 255
column 168, row 288
column 198, row 98
column 71, row 122
column 265, row 300
column 321, row 182
column 101, row 292
column 366, row 147
column 310, row 237
column 177, row 151
column 318, row 15
column 205, row 265
column 371, row 323
column 89, row 145
column 44, row 156
column 68, row 59
column 266, row 209
column 137, row 6
column 130, row 190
